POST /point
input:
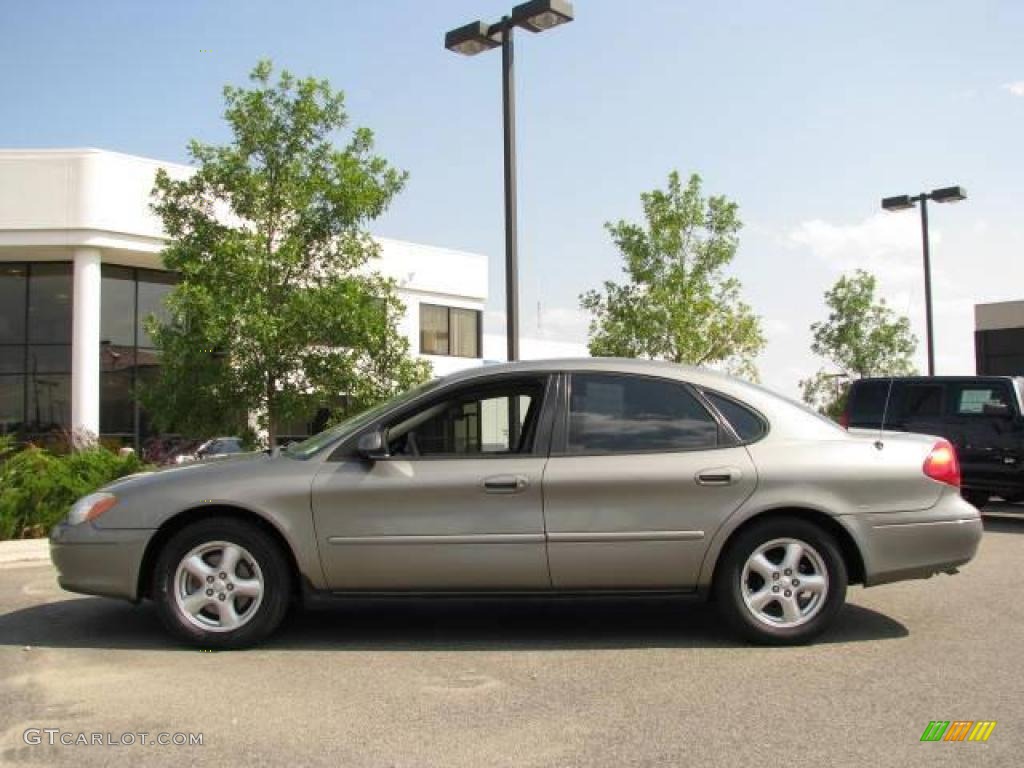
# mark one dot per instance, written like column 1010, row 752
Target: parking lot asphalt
column 556, row 682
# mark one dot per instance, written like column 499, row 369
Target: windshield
column 311, row 445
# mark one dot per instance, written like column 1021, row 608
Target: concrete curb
column 24, row 552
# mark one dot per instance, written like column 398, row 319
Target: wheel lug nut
column 221, row 595
column 775, row 576
column 223, row 575
column 796, row 582
column 209, row 579
column 789, row 572
column 209, row 592
column 230, row 587
column 788, row 594
column 775, row 588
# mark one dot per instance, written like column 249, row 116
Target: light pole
column 469, row 40
column 902, row 202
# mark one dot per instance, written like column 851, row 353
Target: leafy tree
column 862, row 337
column 676, row 304
column 277, row 310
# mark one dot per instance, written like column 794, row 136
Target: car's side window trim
column 542, row 431
column 560, row 437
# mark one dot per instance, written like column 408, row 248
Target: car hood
column 193, row 470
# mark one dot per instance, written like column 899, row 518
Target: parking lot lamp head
column 470, row 40
column 897, row 203
column 538, row 15
column 948, row 194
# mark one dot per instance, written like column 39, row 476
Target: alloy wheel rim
column 218, row 586
column 784, row 583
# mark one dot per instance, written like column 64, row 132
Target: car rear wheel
column 781, row 582
column 221, row 583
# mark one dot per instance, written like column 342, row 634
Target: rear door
column 641, row 474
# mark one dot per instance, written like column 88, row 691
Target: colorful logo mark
column 958, row 730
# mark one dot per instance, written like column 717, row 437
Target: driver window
column 472, row 422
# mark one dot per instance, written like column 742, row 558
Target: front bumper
column 99, row 561
column 916, row 545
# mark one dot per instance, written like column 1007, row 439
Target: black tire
column 976, row 498
column 729, row 589
column 261, row 616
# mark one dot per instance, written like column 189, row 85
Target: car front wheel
column 221, row 583
column 781, row 582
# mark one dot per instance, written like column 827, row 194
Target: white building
column 80, row 270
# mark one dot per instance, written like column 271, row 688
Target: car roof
column 935, row 379
column 598, row 364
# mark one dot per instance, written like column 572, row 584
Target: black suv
column 980, row 415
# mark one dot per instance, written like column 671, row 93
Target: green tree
column 277, row 310
column 862, row 337
column 676, row 303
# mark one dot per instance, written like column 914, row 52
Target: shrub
column 38, row 487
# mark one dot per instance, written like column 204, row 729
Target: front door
column 456, row 505
column 643, row 479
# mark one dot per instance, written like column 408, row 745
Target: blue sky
column 805, row 113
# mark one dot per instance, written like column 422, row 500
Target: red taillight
column 844, row 420
column 942, row 464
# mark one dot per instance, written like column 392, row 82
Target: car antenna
column 885, row 412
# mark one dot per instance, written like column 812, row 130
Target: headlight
column 90, row 507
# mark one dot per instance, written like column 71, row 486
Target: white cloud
column 494, row 321
column 889, row 246
column 1016, row 88
column 564, row 323
column 886, row 244
column 775, row 326
column 554, row 324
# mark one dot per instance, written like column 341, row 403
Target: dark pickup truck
column 980, row 415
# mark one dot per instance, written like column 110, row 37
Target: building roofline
column 82, row 151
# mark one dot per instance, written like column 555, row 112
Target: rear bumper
column 98, row 561
column 916, row 545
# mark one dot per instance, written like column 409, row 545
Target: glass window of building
column 13, row 287
column 449, row 331
column 153, row 289
column 35, row 348
column 129, row 297
column 49, row 303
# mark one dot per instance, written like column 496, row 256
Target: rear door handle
column 719, row 476
column 506, row 483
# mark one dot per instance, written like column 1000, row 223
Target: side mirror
column 999, row 410
column 372, row 446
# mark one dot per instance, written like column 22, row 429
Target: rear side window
column 922, row 401
column 971, row 400
column 747, row 425
column 867, row 402
column 609, row 413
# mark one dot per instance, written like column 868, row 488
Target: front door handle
column 719, row 476
column 506, row 483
